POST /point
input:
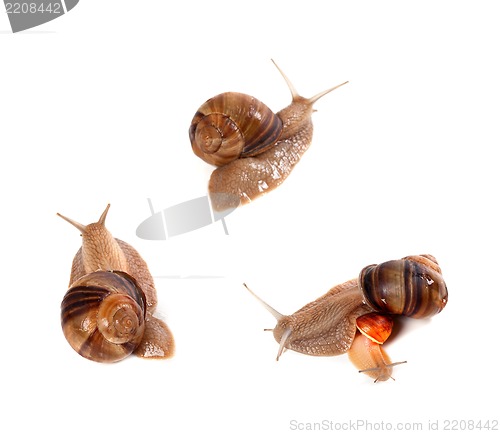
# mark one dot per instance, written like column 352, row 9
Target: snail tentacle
column 283, row 342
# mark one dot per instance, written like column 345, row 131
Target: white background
column 95, row 108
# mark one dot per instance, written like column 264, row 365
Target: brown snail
column 254, row 148
column 412, row 286
column 107, row 312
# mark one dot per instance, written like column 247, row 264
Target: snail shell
column 99, row 255
column 412, row 286
column 233, row 125
column 254, row 148
column 103, row 316
column 375, row 326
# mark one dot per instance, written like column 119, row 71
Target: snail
column 366, row 352
column 255, row 149
column 412, row 286
column 107, row 312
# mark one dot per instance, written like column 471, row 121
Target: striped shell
column 412, row 286
column 233, row 125
column 103, row 316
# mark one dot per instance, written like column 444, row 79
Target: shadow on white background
column 402, row 162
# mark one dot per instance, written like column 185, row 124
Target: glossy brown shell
column 375, row 326
column 412, row 286
column 103, row 316
column 233, row 125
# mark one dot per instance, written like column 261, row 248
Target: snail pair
column 107, row 312
column 357, row 316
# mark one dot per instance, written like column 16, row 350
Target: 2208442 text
column 33, row 8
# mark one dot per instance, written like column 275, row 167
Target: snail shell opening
column 233, row 125
column 404, row 287
column 103, row 316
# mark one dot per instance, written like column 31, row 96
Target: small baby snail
column 107, row 312
column 255, row 149
column 412, row 286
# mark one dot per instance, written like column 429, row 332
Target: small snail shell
column 255, row 148
column 375, row 326
column 412, row 286
column 103, row 316
column 327, row 326
column 100, row 253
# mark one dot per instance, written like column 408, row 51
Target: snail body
column 324, row 327
column 328, row 326
column 370, row 358
column 254, row 148
column 111, row 288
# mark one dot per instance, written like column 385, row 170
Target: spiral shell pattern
column 103, row 316
column 412, row 286
column 233, row 125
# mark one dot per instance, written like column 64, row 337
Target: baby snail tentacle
column 107, row 312
column 254, row 148
column 328, row 326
